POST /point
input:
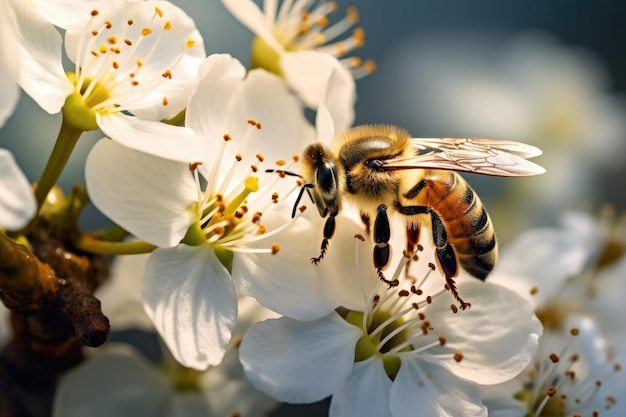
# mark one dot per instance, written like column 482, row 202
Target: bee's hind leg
column 446, row 257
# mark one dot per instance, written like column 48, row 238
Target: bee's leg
column 443, row 249
column 329, row 231
column 446, row 256
column 412, row 237
column 382, row 249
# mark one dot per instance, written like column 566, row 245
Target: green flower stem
column 90, row 244
column 66, row 141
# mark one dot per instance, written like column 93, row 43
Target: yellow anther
column 341, row 51
column 190, row 43
column 94, row 32
column 94, row 13
column 304, row 27
column 280, row 162
column 458, row 356
column 103, row 49
column 134, row 83
column 167, row 74
column 94, row 53
column 260, row 157
column 146, row 31
column 138, row 62
column 322, row 21
column 261, row 229
column 167, row 26
column 112, row 40
column 115, row 64
column 295, row 158
column 227, row 137
column 332, row 6
column 254, row 123
column 356, row 62
column 370, row 66
column 158, row 11
column 128, row 42
column 238, row 157
column 359, row 37
column 352, row 14
column 130, row 22
column 108, row 24
column 320, row 39
column 254, row 168
column 165, row 102
column 275, row 249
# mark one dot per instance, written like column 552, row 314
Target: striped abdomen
column 464, row 218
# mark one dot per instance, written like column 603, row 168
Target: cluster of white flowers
column 200, row 167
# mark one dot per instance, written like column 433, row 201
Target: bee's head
column 323, row 172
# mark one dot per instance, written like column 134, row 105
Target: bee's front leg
column 329, row 231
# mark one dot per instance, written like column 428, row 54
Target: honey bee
column 383, row 171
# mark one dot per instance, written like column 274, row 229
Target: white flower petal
column 299, row 362
column 191, row 300
column 144, row 194
column 66, row 13
column 166, row 141
column 506, row 407
column 17, row 202
column 497, row 336
column 41, row 72
column 126, row 385
column 338, row 101
column 8, row 65
column 285, row 282
column 366, row 393
column 309, row 72
column 248, row 13
column 434, row 392
column 543, row 259
column 120, row 295
column 285, row 131
column 208, row 108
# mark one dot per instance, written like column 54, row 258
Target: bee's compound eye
column 374, row 165
column 326, row 176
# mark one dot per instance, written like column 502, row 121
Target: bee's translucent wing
column 481, row 156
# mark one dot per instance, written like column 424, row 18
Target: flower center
column 229, row 211
column 396, row 324
column 119, row 62
column 563, row 384
column 298, row 27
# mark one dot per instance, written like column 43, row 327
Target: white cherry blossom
column 296, row 41
column 135, row 64
column 219, row 216
column 405, row 348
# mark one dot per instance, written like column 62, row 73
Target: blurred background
column 552, row 74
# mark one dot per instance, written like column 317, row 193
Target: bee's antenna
column 290, row 173
column 304, row 188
